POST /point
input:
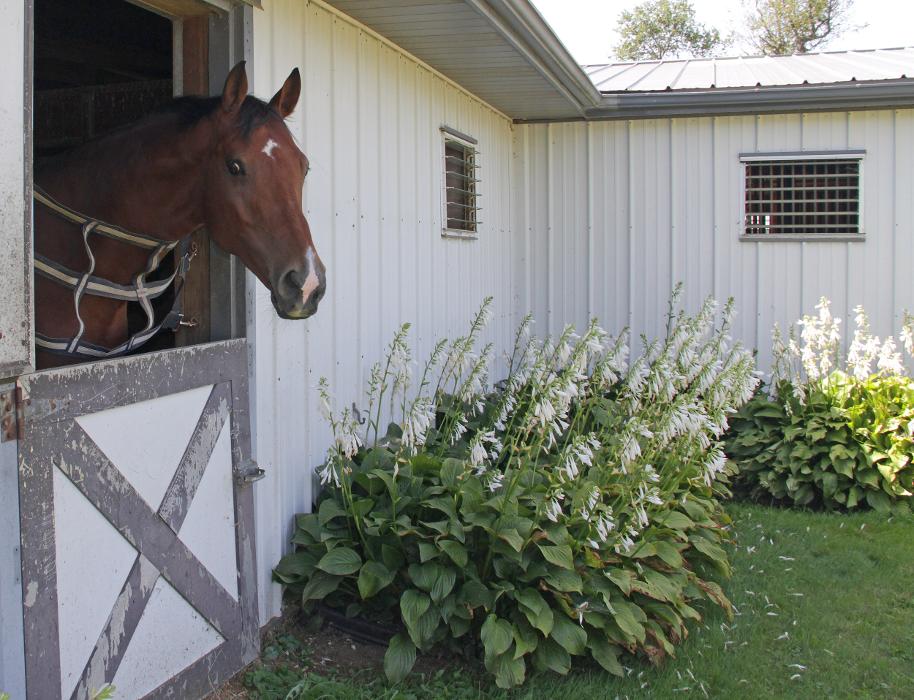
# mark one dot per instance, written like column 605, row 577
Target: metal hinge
column 11, row 419
column 249, row 473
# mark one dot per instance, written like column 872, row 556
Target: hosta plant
column 830, row 431
column 570, row 510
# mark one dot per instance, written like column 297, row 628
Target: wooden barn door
column 138, row 566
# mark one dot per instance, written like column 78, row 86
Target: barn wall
column 369, row 122
column 614, row 213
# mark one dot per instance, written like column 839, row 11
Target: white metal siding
column 663, row 204
column 369, row 121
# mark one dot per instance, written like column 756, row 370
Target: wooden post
column 195, row 74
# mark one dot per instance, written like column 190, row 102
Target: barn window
column 802, row 195
column 461, row 184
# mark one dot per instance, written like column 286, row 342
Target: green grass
column 825, row 608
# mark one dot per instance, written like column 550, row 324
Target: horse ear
column 236, row 88
column 285, row 100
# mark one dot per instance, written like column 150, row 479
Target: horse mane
column 186, row 111
column 190, row 110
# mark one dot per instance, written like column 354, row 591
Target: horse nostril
column 293, row 281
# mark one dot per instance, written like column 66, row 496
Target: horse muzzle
column 299, row 290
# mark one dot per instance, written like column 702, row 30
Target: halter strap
column 110, row 230
column 140, row 291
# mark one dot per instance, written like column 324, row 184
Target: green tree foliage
column 783, row 27
column 664, row 29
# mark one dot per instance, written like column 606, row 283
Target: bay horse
column 107, row 212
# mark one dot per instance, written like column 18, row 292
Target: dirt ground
column 324, row 650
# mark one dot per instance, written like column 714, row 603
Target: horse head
column 252, row 194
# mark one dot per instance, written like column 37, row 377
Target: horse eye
column 235, row 167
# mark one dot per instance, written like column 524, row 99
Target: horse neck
column 144, row 179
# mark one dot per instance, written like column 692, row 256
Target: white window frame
column 449, row 134
column 754, row 157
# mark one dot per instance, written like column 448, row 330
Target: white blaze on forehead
column 312, row 282
column 268, row 148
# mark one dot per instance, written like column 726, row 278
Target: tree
column 782, row 27
column 662, row 29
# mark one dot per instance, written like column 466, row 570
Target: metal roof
column 828, row 68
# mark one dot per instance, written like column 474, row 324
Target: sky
column 587, row 27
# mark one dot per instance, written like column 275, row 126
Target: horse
column 227, row 164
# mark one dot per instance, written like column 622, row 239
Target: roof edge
column 881, row 94
column 520, row 23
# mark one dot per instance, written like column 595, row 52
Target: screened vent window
column 809, row 196
column 461, row 195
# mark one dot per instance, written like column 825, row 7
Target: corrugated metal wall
column 369, row 122
column 612, row 214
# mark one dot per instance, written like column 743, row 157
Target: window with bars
column 461, row 183
column 806, row 195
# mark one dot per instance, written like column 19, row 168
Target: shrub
column 839, row 438
column 571, row 510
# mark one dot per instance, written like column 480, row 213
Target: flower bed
column 827, row 433
column 570, row 510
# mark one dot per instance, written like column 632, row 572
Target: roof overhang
column 882, row 94
column 500, row 50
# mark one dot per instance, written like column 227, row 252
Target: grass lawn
column 825, row 610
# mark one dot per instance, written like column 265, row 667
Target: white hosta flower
column 592, row 500
column 349, row 441
column 495, row 481
column 417, row 422
column 329, row 473
column 714, row 464
column 460, row 427
column 605, row 525
column 889, row 359
column 907, row 333
column 554, row 507
column 478, row 454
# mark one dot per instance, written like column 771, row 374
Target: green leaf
column 475, row 594
column 714, row 552
column 668, row 552
column 525, row 639
column 569, row 634
column 623, row 578
column 559, row 555
column 392, row 557
column 536, row 609
column 319, row 586
column 675, row 520
column 451, row 470
column 496, row 635
column 444, row 584
column 425, row 575
column 292, row 568
column 374, row 576
column 565, row 581
column 427, row 552
column 456, row 551
column 512, row 537
column 550, row 656
column 413, row 604
column 878, row 500
column 399, row 658
column 509, row 671
column 328, row 510
column 340, row 561
column 604, row 653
